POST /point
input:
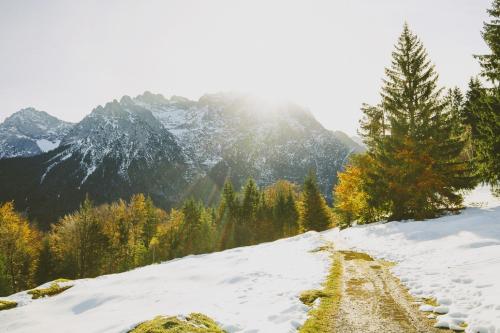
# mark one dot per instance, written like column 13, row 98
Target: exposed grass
column 321, row 318
column 61, row 280
column 54, row 289
column 431, row 301
column 309, row 296
column 5, row 305
column 193, row 323
column 327, row 247
column 352, row 255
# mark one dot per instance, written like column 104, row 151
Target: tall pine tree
column 410, row 135
column 483, row 104
column 246, row 226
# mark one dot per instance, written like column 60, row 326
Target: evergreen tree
column 191, row 228
column 289, row 214
column 44, row 271
column 280, row 212
column 373, row 126
column 490, row 63
column 246, row 227
column 316, row 214
column 454, row 100
column 291, row 218
column 484, row 142
column 417, row 169
column 483, row 104
column 227, row 214
column 284, row 211
column 264, row 230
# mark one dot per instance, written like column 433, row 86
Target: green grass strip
column 321, row 318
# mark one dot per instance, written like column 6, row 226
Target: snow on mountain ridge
column 119, row 131
column 263, row 140
column 30, row 132
column 226, row 119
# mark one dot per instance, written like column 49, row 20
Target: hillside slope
column 249, row 289
column 454, row 260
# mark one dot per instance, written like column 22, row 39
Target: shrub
column 5, row 305
column 54, row 289
column 193, row 323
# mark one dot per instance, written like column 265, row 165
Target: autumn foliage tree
column 19, row 247
column 282, row 198
column 351, row 199
column 78, row 242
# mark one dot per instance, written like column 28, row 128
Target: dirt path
column 372, row 300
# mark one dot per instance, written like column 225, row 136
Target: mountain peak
column 28, row 110
column 30, row 132
column 126, row 100
column 150, row 98
column 27, row 114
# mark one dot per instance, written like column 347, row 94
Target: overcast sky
column 67, row 57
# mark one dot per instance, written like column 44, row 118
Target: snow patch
column 46, row 145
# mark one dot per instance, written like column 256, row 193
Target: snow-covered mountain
column 120, row 133
column 174, row 148
column 31, row 132
column 249, row 136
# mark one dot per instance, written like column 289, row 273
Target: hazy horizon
column 328, row 56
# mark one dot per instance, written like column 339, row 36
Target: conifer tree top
column 490, row 63
column 410, row 95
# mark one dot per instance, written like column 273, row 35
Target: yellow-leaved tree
column 19, row 248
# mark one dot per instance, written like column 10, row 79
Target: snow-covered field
column 249, row 289
column 455, row 259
